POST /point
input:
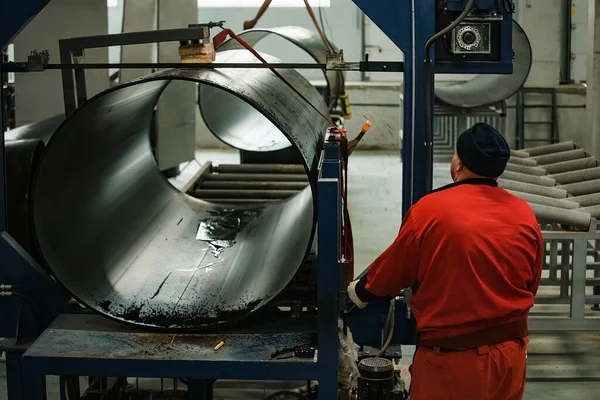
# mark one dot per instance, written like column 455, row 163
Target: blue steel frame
column 397, row 18
column 409, row 24
column 17, row 267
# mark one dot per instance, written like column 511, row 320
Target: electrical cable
column 429, row 92
column 17, row 292
column 389, row 327
column 314, row 20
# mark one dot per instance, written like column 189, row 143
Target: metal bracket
column 37, row 61
column 335, row 62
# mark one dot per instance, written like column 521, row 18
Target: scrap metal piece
column 129, row 245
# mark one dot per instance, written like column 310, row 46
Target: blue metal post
column 409, row 24
column 34, row 385
column 329, row 220
column 14, row 374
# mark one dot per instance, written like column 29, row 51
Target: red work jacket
column 473, row 254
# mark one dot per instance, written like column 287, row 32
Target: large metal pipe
column 525, row 178
column 550, row 148
column 553, row 192
column 553, row 158
column 581, row 188
column 527, row 162
column 575, row 218
column 490, row 89
column 127, row 244
column 523, row 169
column 568, row 204
column 235, row 121
column 519, row 153
column 576, row 176
column 594, row 211
column 304, row 39
column 572, row 165
column 587, row 199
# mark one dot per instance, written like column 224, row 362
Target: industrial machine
column 196, row 290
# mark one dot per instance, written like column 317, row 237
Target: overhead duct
column 490, row 89
column 306, row 40
column 127, row 244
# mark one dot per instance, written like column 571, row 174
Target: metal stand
column 90, row 345
column 568, row 250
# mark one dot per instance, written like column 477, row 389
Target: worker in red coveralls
column 473, row 254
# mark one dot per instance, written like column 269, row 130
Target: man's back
column 483, row 262
column 473, row 254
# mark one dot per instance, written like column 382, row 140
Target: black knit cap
column 483, row 150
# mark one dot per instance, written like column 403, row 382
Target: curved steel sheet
column 489, row 89
column 306, row 40
column 21, row 158
column 127, row 244
column 41, row 130
column 236, row 121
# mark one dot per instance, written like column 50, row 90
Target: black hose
column 429, row 95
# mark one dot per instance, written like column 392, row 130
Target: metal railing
column 566, row 298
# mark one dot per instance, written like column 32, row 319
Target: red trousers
column 486, row 373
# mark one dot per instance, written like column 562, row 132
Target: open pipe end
column 127, row 244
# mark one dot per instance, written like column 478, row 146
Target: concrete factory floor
column 563, row 365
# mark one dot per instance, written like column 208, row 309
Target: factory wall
column 571, row 101
column 541, row 20
column 39, row 95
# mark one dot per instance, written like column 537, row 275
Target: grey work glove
column 352, row 294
